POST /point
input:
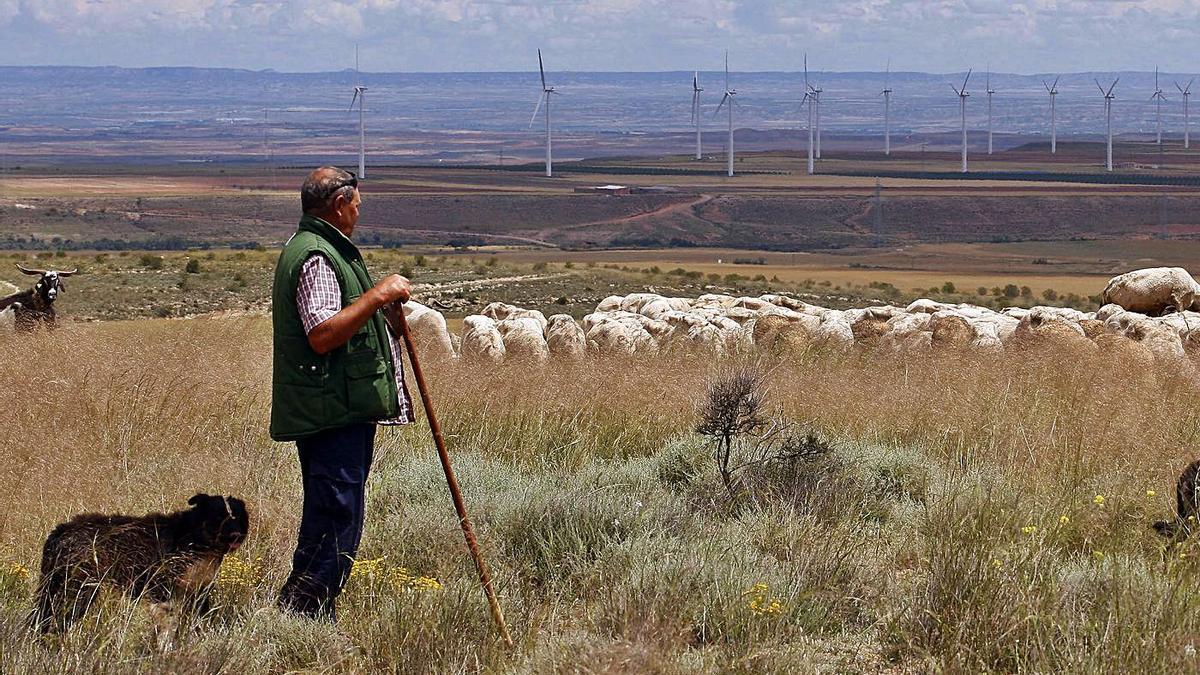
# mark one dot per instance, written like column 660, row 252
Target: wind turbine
column 962, row 106
column 887, row 110
column 1186, row 91
column 990, row 91
column 544, row 97
column 1158, row 98
column 728, row 97
column 811, row 99
column 816, row 102
column 1052, row 89
column 1108, row 99
column 360, row 95
column 696, row 89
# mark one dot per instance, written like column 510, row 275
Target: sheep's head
column 51, row 282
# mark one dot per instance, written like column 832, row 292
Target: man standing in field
column 337, row 373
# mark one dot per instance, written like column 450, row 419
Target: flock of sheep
column 1147, row 315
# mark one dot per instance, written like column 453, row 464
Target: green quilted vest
column 356, row 382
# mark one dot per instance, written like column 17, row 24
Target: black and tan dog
column 172, row 558
column 1187, row 506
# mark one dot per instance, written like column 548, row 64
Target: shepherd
column 338, row 373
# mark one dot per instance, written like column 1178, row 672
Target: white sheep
column 481, row 339
column 428, row 328
column 565, row 338
column 524, row 338
column 501, row 311
column 1153, row 290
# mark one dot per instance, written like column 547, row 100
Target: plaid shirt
column 319, row 297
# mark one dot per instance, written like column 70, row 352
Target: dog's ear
column 196, row 499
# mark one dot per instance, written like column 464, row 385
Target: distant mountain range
column 74, row 110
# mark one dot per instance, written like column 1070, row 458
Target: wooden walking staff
column 396, row 314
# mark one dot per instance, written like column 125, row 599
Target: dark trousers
column 334, row 465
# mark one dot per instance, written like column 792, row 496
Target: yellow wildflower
column 426, row 584
column 1098, row 555
column 241, row 572
column 996, row 563
column 367, row 567
column 1098, row 500
column 1063, row 520
column 1029, row 529
column 17, row 570
column 1151, row 493
column 760, row 603
column 397, row 577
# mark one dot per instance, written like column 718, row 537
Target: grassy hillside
column 972, row 513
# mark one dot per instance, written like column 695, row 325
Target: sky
column 1019, row 36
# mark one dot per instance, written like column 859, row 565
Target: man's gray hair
column 322, row 186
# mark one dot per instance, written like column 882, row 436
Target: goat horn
column 67, row 273
column 30, row 271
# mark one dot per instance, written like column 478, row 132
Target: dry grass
column 958, row 529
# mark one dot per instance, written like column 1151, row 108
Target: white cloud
column 609, row 34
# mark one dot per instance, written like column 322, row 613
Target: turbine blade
column 966, row 79
column 1114, row 85
column 536, row 108
column 1188, row 88
column 542, row 71
column 727, row 71
column 1046, row 85
column 1055, row 85
column 1178, row 87
column 721, row 104
column 1100, row 87
column 353, row 100
column 696, row 80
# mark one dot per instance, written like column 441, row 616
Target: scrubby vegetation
column 960, row 513
column 162, row 284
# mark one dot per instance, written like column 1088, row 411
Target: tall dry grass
column 959, row 529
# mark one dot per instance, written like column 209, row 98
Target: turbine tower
column 728, row 98
column 1108, row 99
column 1052, row 89
column 990, row 91
column 696, row 89
column 1158, row 98
column 887, row 110
column 811, row 99
column 816, row 102
column 1186, row 91
column 962, row 107
column 544, row 97
column 360, row 95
